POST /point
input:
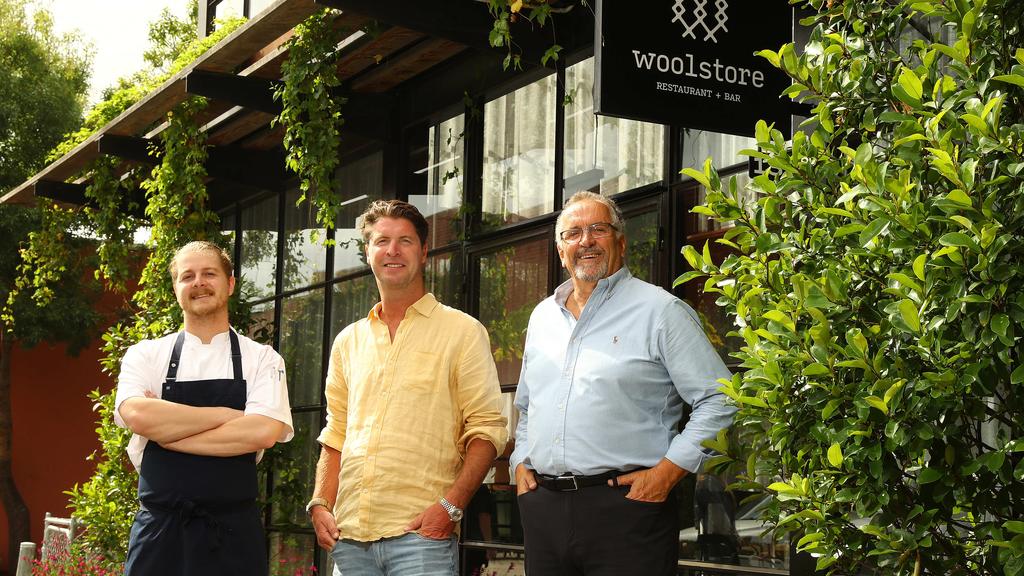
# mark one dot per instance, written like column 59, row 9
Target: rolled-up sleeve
column 479, row 393
column 333, row 433
column 695, row 367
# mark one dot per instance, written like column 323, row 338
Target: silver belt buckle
column 575, row 486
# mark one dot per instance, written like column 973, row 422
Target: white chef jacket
column 144, row 368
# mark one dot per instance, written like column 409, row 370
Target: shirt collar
column 425, row 306
column 191, row 338
column 608, row 283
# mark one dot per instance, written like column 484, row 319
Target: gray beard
column 594, row 275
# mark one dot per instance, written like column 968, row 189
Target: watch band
column 317, row 502
column 454, row 512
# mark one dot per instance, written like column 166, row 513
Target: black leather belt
column 570, row 482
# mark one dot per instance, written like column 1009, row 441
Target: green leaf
column 816, row 369
column 999, row 323
column 835, row 455
column 919, row 263
column 876, row 402
column 686, row 277
column 959, row 240
column 1015, row 526
column 911, row 83
column 781, row 318
column 696, row 175
column 960, row 197
column 1017, row 376
column 928, row 475
column 1015, row 79
column 908, row 311
column 872, row 230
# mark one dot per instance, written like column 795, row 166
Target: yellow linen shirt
column 402, row 413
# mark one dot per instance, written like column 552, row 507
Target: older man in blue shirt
column 608, row 364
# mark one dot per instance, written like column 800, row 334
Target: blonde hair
column 201, row 246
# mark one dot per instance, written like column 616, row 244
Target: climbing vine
column 311, row 113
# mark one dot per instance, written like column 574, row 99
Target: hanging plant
column 311, row 113
column 112, row 219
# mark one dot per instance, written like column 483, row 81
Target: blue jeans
column 406, row 555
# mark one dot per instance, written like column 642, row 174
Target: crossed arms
column 204, row 431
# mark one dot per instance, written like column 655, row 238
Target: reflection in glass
column 519, row 154
column 227, row 232
column 351, row 301
column 360, row 182
column 723, row 149
column 292, row 554
column 294, row 465
column 642, row 245
column 261, row 327
column 259, row 250
column 444, row 278
column 305, row 255
column 512, row 281
column 302, row 326
column 718, row 526
column 437, row 179
column 606, row 155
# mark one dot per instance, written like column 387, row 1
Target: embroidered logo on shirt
column 615, row 339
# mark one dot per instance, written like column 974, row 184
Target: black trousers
column 597, row 531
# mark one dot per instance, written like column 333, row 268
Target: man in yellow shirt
column 413, row 417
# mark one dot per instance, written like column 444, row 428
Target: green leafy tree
column 876, row 284
column 43, row 81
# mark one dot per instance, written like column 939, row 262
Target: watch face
column 455, row 515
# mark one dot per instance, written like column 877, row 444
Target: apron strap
column 236, row 355
column 172, row 368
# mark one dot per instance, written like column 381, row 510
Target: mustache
column 595, row 251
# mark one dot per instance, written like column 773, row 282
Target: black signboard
column 691, row 63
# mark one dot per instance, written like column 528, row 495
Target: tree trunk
column 14, row 505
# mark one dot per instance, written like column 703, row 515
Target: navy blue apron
column 198, row 514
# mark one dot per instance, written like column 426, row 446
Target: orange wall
column 54, row 427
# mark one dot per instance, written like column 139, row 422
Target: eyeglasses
column 596, row 230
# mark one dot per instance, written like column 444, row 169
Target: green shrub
column 876, row 282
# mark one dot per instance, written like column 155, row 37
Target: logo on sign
column 700, row 18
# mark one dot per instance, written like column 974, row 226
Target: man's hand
column 432, row 523
column 653, row 484
column 326, row 528
column 525, row 480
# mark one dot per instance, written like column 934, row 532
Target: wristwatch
column 454, row 512
column 317, row 502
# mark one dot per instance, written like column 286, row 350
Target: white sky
column 117, row 29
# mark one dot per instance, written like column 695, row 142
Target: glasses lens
column 572, row 235
column 600, row 230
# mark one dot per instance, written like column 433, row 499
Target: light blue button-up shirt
column 606, row 392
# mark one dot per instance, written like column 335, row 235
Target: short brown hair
column 201, row 246
column 393, row 209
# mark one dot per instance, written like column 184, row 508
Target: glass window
column 292, row 554
column 257, row 6
column 444, row 278
column 642, row 245
column 723, row 149
column 227, row 233
column 513, row 280
column 302, row 328
column 305, row 256
column 360, row 182
column 436, row 183
column 519, row 154
column 295, row 471
column 606, row 155
column 229, row 9
column 352, row 300
column 259, row 250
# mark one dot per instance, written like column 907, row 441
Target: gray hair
column 585, row 195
